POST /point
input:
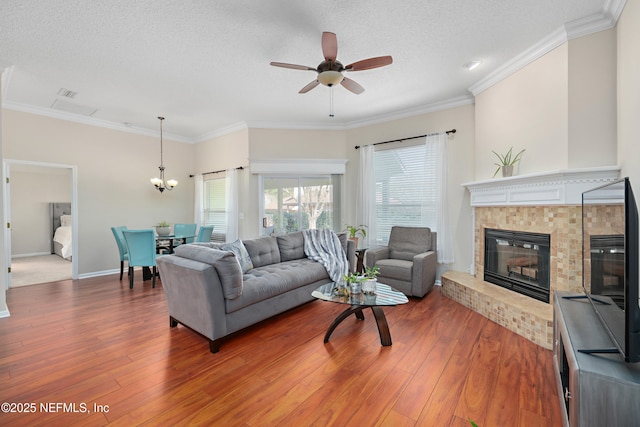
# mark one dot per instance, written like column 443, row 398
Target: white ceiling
column 204, row 64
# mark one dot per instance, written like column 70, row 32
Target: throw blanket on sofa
column 324, row 247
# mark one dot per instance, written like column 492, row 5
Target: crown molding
column 580, row 27
column 236, row 127
column 256, row 124
column 91, row 121
column 412, row 112
column 396, row 115
column 552, row 41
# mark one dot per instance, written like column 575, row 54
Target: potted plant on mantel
column 506, row 162
column 354, row 231
column 163, row 228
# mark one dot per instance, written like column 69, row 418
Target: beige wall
column 527, row 110
column 114, row 169
column 561, row 108
column 592, row 100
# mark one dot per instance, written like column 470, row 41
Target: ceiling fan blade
column 352, row 86
column 329, row 46
column 310, row 86
column 367, row 64
column 292, row 66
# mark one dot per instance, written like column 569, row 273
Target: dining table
column 168, row 242
column 164, row 243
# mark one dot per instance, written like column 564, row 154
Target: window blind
column 405, row 188
column 214, row 204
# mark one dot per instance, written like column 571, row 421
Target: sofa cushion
column 240, row 251
column 268, row 281
column 407, row 242
column 291, row 246
column 224, row 262
column 263, row 251
column 398, row 269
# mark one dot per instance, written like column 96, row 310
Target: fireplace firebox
column 518, row 261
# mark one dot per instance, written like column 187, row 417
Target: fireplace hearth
column 518, row 261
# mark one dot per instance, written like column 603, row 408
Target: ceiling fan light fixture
column 330, row 78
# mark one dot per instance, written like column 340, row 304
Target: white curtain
column 443, row 219
column 198, row 202
column 365, row 206
column 231, row 193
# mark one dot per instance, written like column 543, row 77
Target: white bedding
column 63, row 237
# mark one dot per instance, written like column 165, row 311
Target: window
column 300, row 202
column 214, row 205
column 405, row 188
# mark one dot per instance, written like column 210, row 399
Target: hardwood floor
column 71, row 345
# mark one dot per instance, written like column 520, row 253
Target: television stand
column 594, row 389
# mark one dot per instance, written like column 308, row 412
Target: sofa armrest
column 424, row 273
column 194, row 295
column 372, row 256
column 225, row 263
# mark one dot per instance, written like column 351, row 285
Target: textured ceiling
column 204, row 65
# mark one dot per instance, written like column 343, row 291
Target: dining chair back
column 122, row 246
column 141, row 245
column 187, row 232
column 204, row 233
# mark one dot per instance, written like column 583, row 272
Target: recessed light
column 472, row 64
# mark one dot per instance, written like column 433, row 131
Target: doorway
column 42, row 182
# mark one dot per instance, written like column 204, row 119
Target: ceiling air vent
column 67, row 93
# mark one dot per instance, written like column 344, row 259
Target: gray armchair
column 408, row 263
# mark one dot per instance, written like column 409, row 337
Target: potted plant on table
column 163, row 228
column 506, row 162
column 349, row 285
column 369, row 280
column 355, row 231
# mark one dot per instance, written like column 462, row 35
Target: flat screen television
column 610, row 264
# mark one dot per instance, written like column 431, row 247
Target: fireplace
column 607, row 267
column 518, row 261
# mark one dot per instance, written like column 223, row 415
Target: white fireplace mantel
column 561, row 187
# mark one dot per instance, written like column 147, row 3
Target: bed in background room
column 61, row 229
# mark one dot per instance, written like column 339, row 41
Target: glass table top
column 385, row 296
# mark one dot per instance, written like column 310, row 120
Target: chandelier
column 160, row 183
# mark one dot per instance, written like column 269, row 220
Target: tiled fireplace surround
column 547, row 203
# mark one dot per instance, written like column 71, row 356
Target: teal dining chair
column 186, row 232
column 122, row 246
column 204, row 233
column 141, row 245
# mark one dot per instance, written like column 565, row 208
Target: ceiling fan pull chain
column 331, row 101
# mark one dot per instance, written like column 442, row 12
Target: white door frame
column 6, row 173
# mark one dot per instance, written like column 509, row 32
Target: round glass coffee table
column 385, row 296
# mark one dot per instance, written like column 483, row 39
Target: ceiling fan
column 330, row 70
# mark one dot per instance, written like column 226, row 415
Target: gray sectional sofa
column 218, row 290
